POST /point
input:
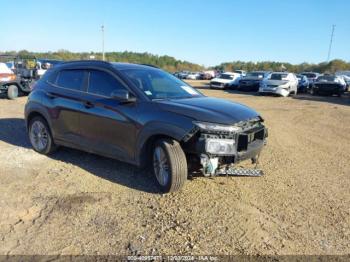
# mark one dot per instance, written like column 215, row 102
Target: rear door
column 64, row 96
column 107, row 125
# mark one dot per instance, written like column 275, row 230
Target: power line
column 330, row 44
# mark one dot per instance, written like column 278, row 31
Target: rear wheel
column 40, row 136
column 169, row 165
column 12, row 92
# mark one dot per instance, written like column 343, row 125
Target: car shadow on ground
column 13, row 131
column 234, row 91
column 343, row 100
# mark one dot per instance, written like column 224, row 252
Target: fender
column 35, row 107
column 153, row 129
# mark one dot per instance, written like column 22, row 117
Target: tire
column 12, row 92
column 295, row 92
column 169, row 154
column 313, row 92
column 38, row 129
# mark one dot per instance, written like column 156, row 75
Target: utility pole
column 330, row 44
column 103, row 42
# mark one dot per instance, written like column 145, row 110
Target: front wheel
column 169, row 165
column 313, row 92
column 12, row 92
column 40, row 136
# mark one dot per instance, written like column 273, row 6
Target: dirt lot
column 77, row 203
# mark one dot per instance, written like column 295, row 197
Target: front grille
column 327, row 87
column 216, row 83
column 250, row 83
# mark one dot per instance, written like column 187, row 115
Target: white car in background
column 193, row 76
column 279, row 83
column 226, row 80
column 241, row 72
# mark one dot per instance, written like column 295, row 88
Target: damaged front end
column 215, row 149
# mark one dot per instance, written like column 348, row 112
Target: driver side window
column 103, row 83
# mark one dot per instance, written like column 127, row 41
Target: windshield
column 278, row 76
column 225, row 76
column 309, row 75
column 157, row 84
column 326, row 78
column 255, row 74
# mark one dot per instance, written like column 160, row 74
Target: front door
column 106, row 124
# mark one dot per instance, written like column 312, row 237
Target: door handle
column 88, row 104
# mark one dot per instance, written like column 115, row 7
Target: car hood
column 209, row 109
column 276, row 82
column 220, row 80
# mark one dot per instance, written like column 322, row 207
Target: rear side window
column 103, row 83
column 50, row 76
column 71, row 79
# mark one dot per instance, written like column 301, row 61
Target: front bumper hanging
column 234, row 171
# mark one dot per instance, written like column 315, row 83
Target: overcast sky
column 206, row 32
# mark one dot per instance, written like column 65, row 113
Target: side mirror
column 123, row 96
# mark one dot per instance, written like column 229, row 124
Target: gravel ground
column 77, row 203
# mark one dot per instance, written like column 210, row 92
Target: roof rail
column 149, row 65
column 84, row 60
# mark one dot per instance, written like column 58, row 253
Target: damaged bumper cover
column 226, row 145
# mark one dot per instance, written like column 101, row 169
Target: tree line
column 324, row 67
column 165, row 62
column 171, row 64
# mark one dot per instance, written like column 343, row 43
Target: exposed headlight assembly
column 217, row 127
column 220, row 146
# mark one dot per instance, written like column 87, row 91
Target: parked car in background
column 141, row 115
column 311, row 76
column 303, row 83
column 20, row 79
column 52, row 62
column 193, row 76
column 8, row 81
column 252, row 81
column 280, row 83
column 226, row 80
column 204, row 76
column 241, row 72
column 11, row 65
column 346, row 76
column 183, row 74
column 328, row 85
column 207, row 75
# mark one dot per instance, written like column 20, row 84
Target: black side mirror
column 123, row 96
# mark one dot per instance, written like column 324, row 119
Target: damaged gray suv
column 141, row 115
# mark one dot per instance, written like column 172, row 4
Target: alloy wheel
column 38, row 136
column 161, row 166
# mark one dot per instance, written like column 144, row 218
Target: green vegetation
column 171, row 64
column 167, row 63
column 331, row 67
